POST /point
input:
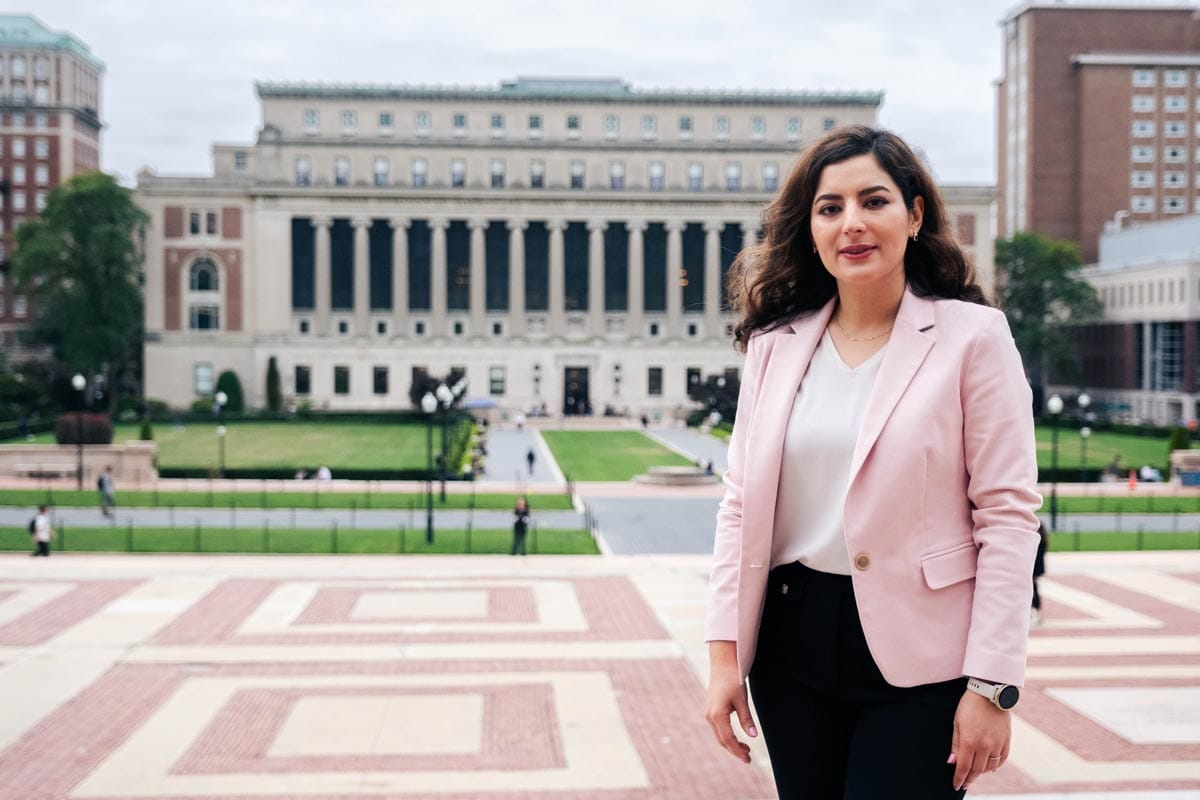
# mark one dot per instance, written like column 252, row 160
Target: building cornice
column 565, row 92
column 1137, row 59
column 749, row 147
column 1119, row 5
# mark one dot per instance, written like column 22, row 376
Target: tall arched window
column 203, row 277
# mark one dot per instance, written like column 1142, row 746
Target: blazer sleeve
column 1001, row 460
column 721, row 620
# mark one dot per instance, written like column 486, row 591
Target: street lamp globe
column 221, row 398
column 1084, row 400
column 1085, row 431
column 221, row 431
column 429, row 403
column 78, row 382
column 1054, row 405
column 444, row 395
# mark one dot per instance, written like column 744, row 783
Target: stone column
column 437, row 276
column 362, row 276
column 712, row 280
column 1147, row 355
column 478, row 295
column 558, row 318
column 636, row 280
column 674, row 267
column 596, row 231
column 750, row 233
column 400, row 227
column 323, row 289
column 516, row 276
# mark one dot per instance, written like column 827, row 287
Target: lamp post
column 1084, row 433
column 1055, row 406
column 429, row 405
column 79, row 383
column 221, row 399
column 444, row 398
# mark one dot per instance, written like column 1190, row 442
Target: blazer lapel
column 906, row 351
column 790, row 353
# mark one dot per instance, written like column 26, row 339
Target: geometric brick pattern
column 34, row 612
column 466, row 679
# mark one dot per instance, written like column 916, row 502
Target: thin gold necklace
column 868, row 339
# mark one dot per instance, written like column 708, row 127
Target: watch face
column 1008, row 697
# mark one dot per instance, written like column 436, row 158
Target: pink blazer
column 939, row 517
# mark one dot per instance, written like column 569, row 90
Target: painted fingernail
column 951, row 759
column 753, row 731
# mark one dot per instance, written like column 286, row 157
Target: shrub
column 202, row 406
column 157, row 410
column 1180, row 440
column 228, row 383
column 96, row 428
column 146, row 434
column 274, row 394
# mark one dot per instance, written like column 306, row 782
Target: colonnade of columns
column 516, row 314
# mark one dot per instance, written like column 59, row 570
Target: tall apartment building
column 49, row 131
column 1099, row 117
column 562, row 242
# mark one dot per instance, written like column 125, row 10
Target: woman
column 520, row 525
column 877, row 534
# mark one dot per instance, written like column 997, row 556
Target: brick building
column 49, row 130
column 1099, row 117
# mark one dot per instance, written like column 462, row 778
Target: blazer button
column 862, row 561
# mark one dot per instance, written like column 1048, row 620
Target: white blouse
column 819, row 447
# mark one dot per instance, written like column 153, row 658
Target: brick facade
column 1078, row 138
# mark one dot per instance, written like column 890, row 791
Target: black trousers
column 518, row 542
column 834, row 728
column 43, row 549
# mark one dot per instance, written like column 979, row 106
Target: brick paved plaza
column 456, row 678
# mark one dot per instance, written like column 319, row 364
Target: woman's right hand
column 726, row 696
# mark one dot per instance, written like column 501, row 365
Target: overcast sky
column 180, row 73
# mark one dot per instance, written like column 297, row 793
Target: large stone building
column 1099, row 117
column 562, row 242
column 49, row 131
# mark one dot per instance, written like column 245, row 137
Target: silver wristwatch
column 1002, row 695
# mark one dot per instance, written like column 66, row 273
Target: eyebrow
column 867, row 191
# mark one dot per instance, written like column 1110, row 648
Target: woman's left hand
column 981, row 731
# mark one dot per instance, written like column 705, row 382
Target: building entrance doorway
column 575, row 391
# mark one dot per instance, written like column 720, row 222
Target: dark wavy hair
column 780, row 278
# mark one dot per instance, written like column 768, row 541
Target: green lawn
column 608, row 455
column 1125, row 540
column 1101, row 447
column 286, row 540
column 285, row 445
column 273, row 499
column 1124, row 505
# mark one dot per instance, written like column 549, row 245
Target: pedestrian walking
column 873, row 549
column 520, row 525
column 1039, row 569
column 41, row 532
column 530, row 457
column 104, row 485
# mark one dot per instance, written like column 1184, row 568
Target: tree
column 717, row 393
column 274, row 393
column 1179, row 440
column 228, row 383
column 79, row 262
column 1043, row 295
